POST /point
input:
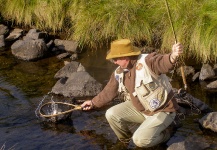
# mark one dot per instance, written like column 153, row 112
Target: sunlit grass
column 19, row 11
column 101, row 21
column 97, row 22
column 51, row 14
column 204, row 37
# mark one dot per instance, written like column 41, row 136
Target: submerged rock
column 190, row 143
column 189, row 104
column 209, row 121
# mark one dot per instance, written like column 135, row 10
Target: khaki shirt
column 158, row 64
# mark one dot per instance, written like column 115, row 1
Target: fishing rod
column 174, row 34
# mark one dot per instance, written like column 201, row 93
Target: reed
column 101, row 21
column 203, row 36
column 51, row 14
column 195, row 26
column 19, row 11
column 183, row 20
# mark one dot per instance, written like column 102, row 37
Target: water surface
column 24, row 84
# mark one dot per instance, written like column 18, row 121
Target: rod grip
column 183, row 77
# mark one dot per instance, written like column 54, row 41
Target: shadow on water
column 24, row 84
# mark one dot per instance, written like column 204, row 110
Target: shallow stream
column 24, row 84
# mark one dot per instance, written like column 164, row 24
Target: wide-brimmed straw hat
column 121, row 48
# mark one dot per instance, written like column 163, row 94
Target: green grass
column 19, row 11
column 97, row 22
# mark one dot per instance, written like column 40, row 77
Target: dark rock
column 29, row 50
column 196, row 76
column 68, row 69
column 2, row 41
column 69, row 46
column 209, row 121
column 14, row 35
column 187, row 101
column 36, row 34
column 212, row 85
column 3, row 29
column 187, row 70
column 63, row 55
column 74, row 56
column 206, row 72
column 78, row 84
column 190, row 143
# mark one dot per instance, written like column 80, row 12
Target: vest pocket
column 142, row 90
column 152, row 86
column 152, row 100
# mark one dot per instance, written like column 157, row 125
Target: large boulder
column 78, row 84
column 29, row 49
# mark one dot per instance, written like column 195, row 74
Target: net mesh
column 52, row 110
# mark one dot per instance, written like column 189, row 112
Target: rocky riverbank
column 75, row 81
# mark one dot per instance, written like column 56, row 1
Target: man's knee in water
column 142, row 142
column 109, row 114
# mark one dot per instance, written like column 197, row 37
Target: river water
column 24, row 84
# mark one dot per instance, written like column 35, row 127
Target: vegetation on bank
column 96, row 22
column 0, row 18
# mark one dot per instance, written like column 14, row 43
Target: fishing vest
column 151, row 89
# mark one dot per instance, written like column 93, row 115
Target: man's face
column 122, row 61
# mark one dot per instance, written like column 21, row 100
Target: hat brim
column 136, row 51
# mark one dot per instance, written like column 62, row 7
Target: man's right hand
column 87, row 105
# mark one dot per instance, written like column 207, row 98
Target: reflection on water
column 24, row 84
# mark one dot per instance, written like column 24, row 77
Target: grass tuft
column 97, row 22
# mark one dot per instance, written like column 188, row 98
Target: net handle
column 76, row 107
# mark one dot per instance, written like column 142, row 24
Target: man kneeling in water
column 148, row 93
